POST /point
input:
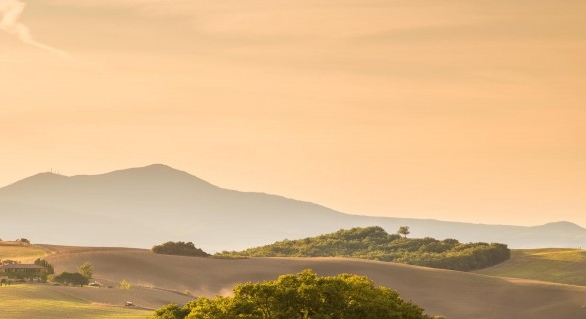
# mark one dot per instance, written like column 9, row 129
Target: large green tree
column 403, row 230
column 171, row 311
column 87, row 270
column 301, row 296
column 71, row 278
column 46, row 264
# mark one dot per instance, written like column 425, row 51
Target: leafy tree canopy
column 404, row 230
column 87, row 270
column 73, row 278
column 375, row 243
column 46, row 264
column 301, row 296
column 179, row 248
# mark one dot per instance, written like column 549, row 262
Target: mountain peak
column 40, row 178
column 156, row 173
column 152, row 178
column 561, row 225
column 141, row 206
column 158, row 166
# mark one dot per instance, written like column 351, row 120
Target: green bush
column 71, row 278
column 179, row 248
column 376, row 244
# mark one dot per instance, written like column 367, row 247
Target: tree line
column 376, row 244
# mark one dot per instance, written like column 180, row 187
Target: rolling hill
column 21, row 253
column 140, row 207
column 161, row 279
column 564, row 266
column 456, row 295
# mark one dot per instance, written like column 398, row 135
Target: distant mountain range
column 141, row 207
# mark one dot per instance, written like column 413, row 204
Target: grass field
column 22, row 253
column 27, row 301
column 564, row 266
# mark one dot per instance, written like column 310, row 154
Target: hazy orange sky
column 457, row 110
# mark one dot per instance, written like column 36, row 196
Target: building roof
column 21, row 266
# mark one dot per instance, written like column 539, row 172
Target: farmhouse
column 22, row 268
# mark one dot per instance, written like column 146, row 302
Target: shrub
column 179, row 248
column 124, row 285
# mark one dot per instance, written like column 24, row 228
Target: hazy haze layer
column 454, row 110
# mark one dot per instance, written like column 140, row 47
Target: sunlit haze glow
column 454, row 110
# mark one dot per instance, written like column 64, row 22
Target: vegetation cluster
column 43, row 263
column 71, row 278
column 376, row 244
column 300, row 296
column 80, row 278
column 179, row 248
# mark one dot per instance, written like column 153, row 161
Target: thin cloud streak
column 10, row 12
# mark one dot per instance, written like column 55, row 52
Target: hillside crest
column 140, row 207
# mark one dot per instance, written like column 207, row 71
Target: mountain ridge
column 143, row 206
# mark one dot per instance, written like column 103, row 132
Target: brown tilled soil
column 456, row 295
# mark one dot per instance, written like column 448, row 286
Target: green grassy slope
column 22, row 253
column 41, row 301
column 564, row 266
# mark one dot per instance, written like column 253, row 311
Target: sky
column 460, row 110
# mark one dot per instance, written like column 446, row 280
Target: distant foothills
column 140, row 207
